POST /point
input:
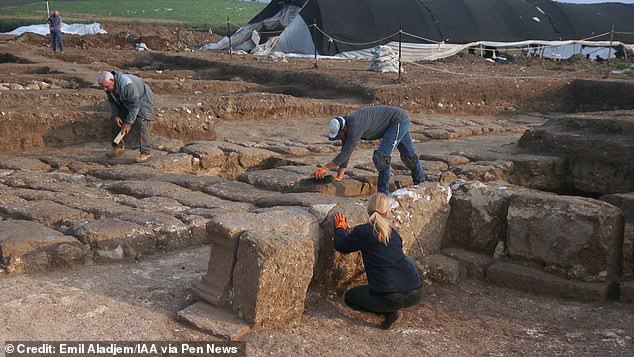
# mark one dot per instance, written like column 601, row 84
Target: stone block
column 46, row 212
column 24, row 163
column 443, row 269
column 478, row 216
column 484, row 171
column 271, row 276
column 238, row 191
column 194, row 183
column 110, row 233
column 547, row 173
column 172, row 163
column 27, row 246
column 579, row 237
column 225, row 228
column 536, row 281
column 420, row 215
column 475, row 264
column 124, row 172
column 217, row 321
column 334, row 269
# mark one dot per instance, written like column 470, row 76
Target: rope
column 332, row 39
column 419, row 37
column 477, row 75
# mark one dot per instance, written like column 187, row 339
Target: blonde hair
column 378, row 208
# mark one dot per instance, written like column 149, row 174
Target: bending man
column 131, row 103
column 391, row 125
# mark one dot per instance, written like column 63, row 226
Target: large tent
column 430, row 29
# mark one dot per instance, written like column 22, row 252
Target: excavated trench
column 195, row 93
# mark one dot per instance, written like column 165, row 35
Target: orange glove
column 338, row 179
column 341, row 221
column 319, row 174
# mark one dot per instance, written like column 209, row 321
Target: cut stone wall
column 271, row 276
column 578, row 237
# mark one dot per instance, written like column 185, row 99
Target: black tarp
column 346, row 25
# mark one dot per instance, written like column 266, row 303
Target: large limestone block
column 271, row 276
column 171, row 233
column 46, row 212
column 194, row 183
column 173, row 163
column 536, row 281
column 625, row 201
column 124, row 172
column 225, row 228
column 24, row 163
column 154, row 204
column 579, row 237
column 302, row 199
column 478, row 215
column 208, row 152
column 484, row 170
column 546, row 173
column 249, row 157
column 420, row 215
column 217, row 321
column 282, row 180
column 27, row 246
column 141, row 189
column 333, row 269
column 98, row 207
column 110, row 234
column 353, row 184
column 238, row 191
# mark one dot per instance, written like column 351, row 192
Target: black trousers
column 361, row 298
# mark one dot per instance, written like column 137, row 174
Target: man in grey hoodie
column 391, row 125
column 131, row 103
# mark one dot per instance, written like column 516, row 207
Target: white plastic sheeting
column 246, row 38
column 72, row 29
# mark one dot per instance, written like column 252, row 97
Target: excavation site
column 522, row 232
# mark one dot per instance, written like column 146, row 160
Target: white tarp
column 244, row 38
column 72, row 29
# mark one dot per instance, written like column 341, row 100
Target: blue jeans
column 397, row 136
column 56, row 36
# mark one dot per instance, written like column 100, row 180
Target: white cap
column 335, row 127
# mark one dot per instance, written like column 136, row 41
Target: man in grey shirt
column 391, row 125
column 131, row 103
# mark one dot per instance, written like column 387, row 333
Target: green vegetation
column 185, row 13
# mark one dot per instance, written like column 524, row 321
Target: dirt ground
column 292, row 101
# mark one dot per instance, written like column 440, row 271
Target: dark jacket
column 55, row 23
column 132, row 97
column 369, row 123
column 387, row 267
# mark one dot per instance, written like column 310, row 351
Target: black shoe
column 390, row 319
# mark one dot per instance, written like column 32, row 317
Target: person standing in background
column 55, row 27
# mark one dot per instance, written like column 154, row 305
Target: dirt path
column 139, row 301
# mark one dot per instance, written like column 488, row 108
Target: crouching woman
column 393, row 281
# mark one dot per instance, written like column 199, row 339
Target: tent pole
column 313, row 29
column 607, row 61
column 229, row 35
column 400, row 34
column 48, row 12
